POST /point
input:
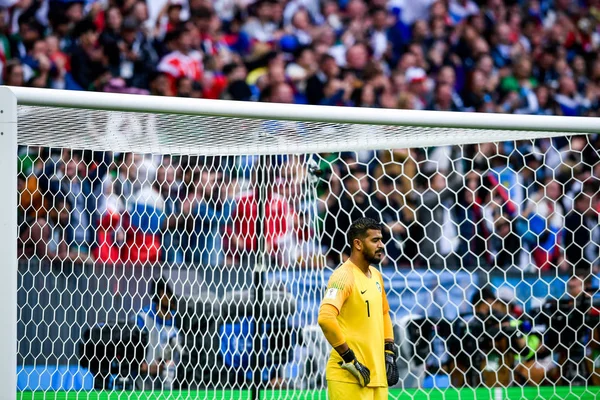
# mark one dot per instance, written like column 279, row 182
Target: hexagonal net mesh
column 167, row 253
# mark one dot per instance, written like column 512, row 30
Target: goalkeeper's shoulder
column 339, row 287
column 342, row 278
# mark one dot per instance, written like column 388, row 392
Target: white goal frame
column 11, row 97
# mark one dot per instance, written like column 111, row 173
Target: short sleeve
column 339, row 287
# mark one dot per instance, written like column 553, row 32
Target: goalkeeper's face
column 373, row 249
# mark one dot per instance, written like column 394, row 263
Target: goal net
column 175, row 252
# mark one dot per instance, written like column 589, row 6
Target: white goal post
column 328, row 129
column 8, row 235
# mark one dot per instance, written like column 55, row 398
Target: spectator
column 461, row 9
column 24, row 37
column 113, row 226
column 172, row 228
column 435, row 234
column 146, row 208
column 443, row 99
column 59, row 247
column 73, row 183
column 37, row 63
column 60, row 62
column 32, row 203
column 473, row 231
column 545, row 215
column 447, row 76
column 388, row 202
column 327, row 71
column 544, row 100
column 571, row 102
column 183, row 61
column 165, row 346
column 301, row 28
column 378, row 32
column 352, row 203
column 581, row 249
column 241, row 238
column 297, row 246
column 237, row 88
column 111, row 36
column 161, row 85
column 33, row 238
column 572, row 354
column 416, row 78
column 139, row 12
column 261, row 26
column 169, row 18
column 304, row 67
column 476, row 95
column 338, row 93
column 357, row 58
column 505, row 242
column 137, row 56
column 13, row 74
column 207, row 215
column 279, row 93
column 486, row 65
column 520, row 86
column 88, row 61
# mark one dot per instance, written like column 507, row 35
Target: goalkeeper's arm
column 331, row 329
column 390, row 348
column 391, row 351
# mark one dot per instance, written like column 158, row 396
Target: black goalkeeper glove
column 351, row 364
column 391, row 368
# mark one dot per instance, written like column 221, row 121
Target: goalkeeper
column 354, row 317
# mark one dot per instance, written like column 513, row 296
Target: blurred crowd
column 501, row 205
column 525, row 205
column 131, row 208
column 532, row 57
column 511, row 56
column 522, row 205
column 552, row 342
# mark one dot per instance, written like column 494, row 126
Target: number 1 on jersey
column 368, row 309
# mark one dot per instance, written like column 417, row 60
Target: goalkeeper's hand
column 351, row 364
column 391, row 368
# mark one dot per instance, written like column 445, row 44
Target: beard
column 374, row 257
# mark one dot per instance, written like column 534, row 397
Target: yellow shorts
column 353, row 391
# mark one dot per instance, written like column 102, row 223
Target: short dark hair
column 484, row 294
column 160, row 287
column 359, row 228
column 84, row 26
column 375, row 10
column 229, row 68
column 582, row 196
column 202, row 13
column 326, row 57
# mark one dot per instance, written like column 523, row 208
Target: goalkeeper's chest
column 365, row 302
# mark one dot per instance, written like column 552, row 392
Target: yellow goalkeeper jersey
column 361, row 302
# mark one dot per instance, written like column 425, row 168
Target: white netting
column 492, row 251
column 179, row 134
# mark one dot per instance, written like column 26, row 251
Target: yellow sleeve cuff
column 388, row 330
